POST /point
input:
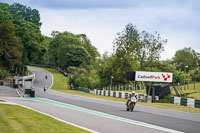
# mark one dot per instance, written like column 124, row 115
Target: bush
column 84, row 78
column 165, row 100
column 3, row 73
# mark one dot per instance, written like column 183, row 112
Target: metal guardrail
column 83, row 89
column 54, row 67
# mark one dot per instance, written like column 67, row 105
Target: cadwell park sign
column 153, row 76
column 150, row 76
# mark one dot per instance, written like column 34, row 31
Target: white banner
column 153, row 76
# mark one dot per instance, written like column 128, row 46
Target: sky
column 178, row 21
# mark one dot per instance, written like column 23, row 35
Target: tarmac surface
column 101, row 115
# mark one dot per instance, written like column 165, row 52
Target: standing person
column 45, row 76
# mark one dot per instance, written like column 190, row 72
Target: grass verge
column 29, row 72
column 61, row 84
column 191, row 90
column 16, row 119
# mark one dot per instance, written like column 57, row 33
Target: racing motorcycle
column 131, row 104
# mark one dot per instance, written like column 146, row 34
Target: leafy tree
column 31, row 41
column 46, row 43
column 27, row 23
column 143, row 47
column 83, row 78
column 186, row 57
column 195, row 74
column 4, row 13
column 126, row 41
column 132, row 51
column 76, row 57
column 149, row 48
column 88, row 46
column 26, row 13
column 105, row 70
column 10, row 54
column 61, row 44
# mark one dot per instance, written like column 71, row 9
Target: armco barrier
column 54, row 67
column 189, row 102
column 83, row 89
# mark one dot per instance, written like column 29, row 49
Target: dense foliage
column 21, row 42
column 21, row 38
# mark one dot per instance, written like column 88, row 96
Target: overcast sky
column 178, row 21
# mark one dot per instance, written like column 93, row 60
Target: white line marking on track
column 54, row 117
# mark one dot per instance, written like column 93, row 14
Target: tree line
column 21, row 43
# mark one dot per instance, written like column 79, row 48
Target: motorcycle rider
column 130, row 96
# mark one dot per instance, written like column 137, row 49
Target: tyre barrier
column 123, row 95
column 189, row 102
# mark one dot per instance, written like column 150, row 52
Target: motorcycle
column 131, row 104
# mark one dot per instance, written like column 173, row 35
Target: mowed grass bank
column 191, row 90
column 16, row 119
column 61, row 84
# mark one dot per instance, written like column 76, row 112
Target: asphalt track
column 105, row 116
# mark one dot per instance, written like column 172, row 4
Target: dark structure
column 130, row 76
column 161, row 90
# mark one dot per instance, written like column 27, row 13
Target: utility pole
column 111, row 81
column 184, row 75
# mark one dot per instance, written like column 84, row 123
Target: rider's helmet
column 133, row 93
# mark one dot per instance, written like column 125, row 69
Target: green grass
column 2, row 100
column 29, row 72
column 189, row 91
column 16, row 119
column 61, row 84
column 60, row 81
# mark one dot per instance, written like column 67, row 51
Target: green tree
column 149, row 48
column 31, row 40
column 195, row 74
column 10, row 53
column 88, row 46
column 61, row 44
column 82, row 78
column 27, row 24
column 144, row 48
column 19, row 11
column 186, row 57
column 4, row 13
column 76, row 57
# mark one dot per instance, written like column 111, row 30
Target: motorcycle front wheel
column 132, row 106
column 127, row 108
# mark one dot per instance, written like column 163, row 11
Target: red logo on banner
column 165, row 78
